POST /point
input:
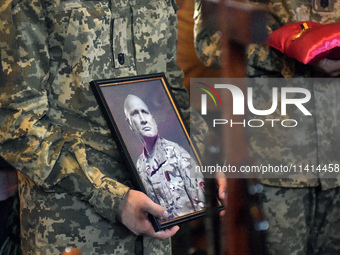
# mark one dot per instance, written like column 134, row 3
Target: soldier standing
column 302, row 212
column 74, row 187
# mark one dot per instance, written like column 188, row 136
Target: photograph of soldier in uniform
column 164, row 166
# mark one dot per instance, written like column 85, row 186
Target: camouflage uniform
column 318, row 137
column 304, row 218
column 207, row 42
column 72, row 178
column 168, row 179
column 300, row 221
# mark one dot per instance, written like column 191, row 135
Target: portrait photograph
column 154, row 141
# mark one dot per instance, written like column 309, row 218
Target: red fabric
column 315, row 43
column 202, row 186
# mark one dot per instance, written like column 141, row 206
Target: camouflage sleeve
column 193, row 120
column 52, row 158
column 261, row 59
column 264, row 61
column 207, row 42
column 173, row 73
column 187, row 167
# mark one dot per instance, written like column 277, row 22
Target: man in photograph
column 164, row 166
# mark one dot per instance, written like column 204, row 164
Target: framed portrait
column 154, row 142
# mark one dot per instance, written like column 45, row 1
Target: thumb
column 155, row 209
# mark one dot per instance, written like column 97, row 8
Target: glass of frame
column 154, row 141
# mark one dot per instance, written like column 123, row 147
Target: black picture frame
column 155, row 92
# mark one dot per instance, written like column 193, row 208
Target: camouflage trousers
column 302, row 220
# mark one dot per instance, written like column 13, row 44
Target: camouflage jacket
column 168, row 179
column 72, row 178
column 316, row 141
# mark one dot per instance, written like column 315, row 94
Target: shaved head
column 139, row 117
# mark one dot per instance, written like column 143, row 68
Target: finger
column 164, row 234
column 222, row 186
column 221, row 193
column 334, row 65
column 329, row 66
column 146, row 228
column 155, row 209
column 335, row 74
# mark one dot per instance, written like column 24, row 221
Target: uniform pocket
column 122, row 42
column 140, row 34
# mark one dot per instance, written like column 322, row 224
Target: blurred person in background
column 9, row 210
